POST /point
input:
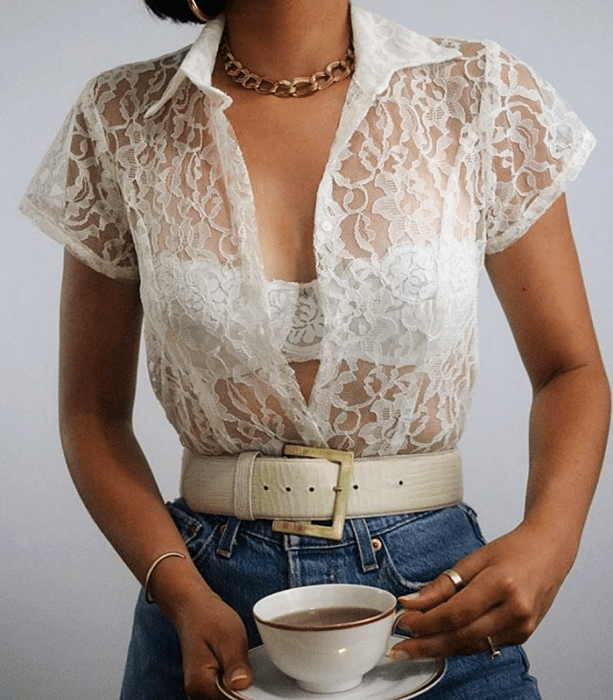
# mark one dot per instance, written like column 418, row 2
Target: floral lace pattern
column 296, row 319
column 446, row 150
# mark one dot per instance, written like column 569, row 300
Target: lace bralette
column 297, row 318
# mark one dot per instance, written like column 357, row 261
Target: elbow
column 87, row 433
column 586, row 382
column 591, row 369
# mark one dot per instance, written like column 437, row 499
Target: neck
column 287, row 38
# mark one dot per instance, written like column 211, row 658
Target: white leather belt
column 319, row 484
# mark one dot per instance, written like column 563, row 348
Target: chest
column 398, row 207
column 285, row 144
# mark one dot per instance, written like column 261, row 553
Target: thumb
column 237, row 670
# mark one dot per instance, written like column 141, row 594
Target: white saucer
column 389, row 680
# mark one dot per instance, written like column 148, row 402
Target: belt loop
column 243, row 479
column 228, row 537
column 365, row 546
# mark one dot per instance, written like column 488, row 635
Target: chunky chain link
column 296, row 87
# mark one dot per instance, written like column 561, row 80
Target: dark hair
column 178, row 10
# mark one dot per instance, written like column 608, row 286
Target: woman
column 308, row 275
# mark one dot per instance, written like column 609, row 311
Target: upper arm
column 100, row 322
column 538, row 282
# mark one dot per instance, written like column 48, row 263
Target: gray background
column 66, row 599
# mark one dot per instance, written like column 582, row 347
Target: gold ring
column 494, row 650
column 455, row 577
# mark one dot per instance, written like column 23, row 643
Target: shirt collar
column 381, row 48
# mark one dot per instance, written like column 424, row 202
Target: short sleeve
column 75, row 198
column 534, row 145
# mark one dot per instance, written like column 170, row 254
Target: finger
column 200, row 676
column 471, row 639
column 202, row 667
column 238, row 676
column 447, row 644
column 237, row 673
column 456, row 612
column 433, row 593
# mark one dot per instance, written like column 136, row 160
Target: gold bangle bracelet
column 148, row 598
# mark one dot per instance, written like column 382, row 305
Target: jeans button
column 376, row 544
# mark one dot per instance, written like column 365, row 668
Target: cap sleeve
column 535, row 144
column 75, row 198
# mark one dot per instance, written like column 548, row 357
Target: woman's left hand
column 509, row 585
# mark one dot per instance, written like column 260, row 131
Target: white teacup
column 326, row 637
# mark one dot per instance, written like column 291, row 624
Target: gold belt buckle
column 345, row 465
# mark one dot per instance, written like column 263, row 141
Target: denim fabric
column 244, row 561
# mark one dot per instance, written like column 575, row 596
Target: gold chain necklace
column 295, row 87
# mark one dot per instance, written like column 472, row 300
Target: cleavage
column 286, row 144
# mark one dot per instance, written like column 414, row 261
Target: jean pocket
column 396, row 578
column 416, row 552
column 197, row 530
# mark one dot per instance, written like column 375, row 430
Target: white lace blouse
column 446, row 150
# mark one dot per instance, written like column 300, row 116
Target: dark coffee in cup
column 326, row 617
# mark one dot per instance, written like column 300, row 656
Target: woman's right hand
column 213, row 642
column 100, row 334
column 212, row 635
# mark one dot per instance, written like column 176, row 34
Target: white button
column 327, row 226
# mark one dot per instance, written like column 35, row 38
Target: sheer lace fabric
column 446, row 151
column 297, row 320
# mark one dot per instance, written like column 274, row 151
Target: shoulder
column 487, row 61
column 468, row 49
column 480, row 55
column 125, row 92
column 490, row 69
column 391, row 44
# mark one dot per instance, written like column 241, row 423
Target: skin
column 298, row 132
column 510, row 582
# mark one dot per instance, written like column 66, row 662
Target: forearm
column 100, row 337
column 568, row 430
column 119, row 490
column 512, row 581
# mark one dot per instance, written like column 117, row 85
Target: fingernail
column 398, row 655
column 410, row 596
column 238, row 674
column 405, row 628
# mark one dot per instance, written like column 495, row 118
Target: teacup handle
column 397, row 617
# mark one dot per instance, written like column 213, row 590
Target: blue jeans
column 244, row 561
